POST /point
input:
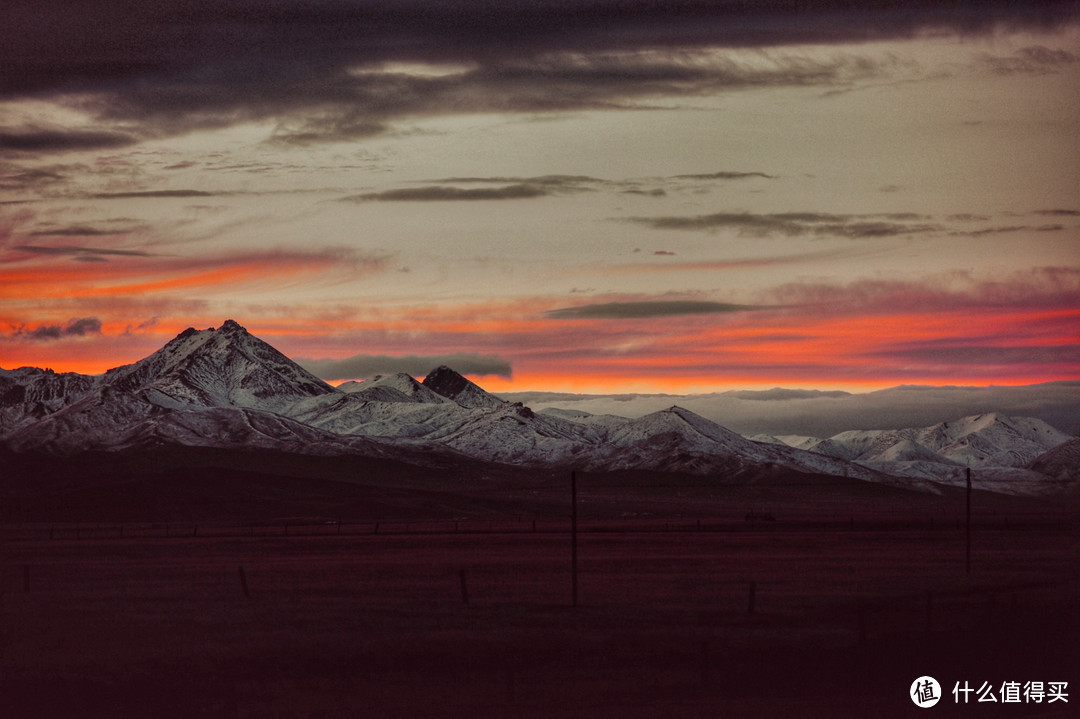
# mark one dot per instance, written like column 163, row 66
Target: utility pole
column 573, row 539
column 967, row 538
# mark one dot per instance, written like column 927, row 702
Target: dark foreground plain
column 460, row 605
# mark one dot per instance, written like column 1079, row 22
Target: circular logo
column 925, row 692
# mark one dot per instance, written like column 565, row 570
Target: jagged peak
column 219, row 367
column 450, row 384
column 446, row 381
column 232, row 326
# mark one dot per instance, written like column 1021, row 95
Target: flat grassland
column 712, row 615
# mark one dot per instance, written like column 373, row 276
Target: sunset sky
column 582, row 195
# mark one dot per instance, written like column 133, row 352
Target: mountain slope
column 1061, row 462
column 27, row 394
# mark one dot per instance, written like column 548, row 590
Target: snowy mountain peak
column 691, row 429
column 217, row 368
column 231, row 326
column 448, row 383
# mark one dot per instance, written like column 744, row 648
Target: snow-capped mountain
column 226, row 389
column 985, row 440
column 27, row 394
column 226, row 367
column 999, row 448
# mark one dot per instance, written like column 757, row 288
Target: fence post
column 929, row 612
column 464, row 587
column 752, row 599
column 243, row 582
column 573, row 539
column 26, row 577
column 967, row 532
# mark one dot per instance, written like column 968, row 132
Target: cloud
column 152, row 193
column 1033, row 60
column 555, row 183
column 362, row 365
column 1007, row 229
column 725, row 176
column 80, row 327
column 333, row 71
column 1041, row 288
column 642, row 310
column 86, row 254
column 63, row 140
column 163, row 280
column 445, row 193
column 1059, row 213
column 793, row 224
column 780, row 394
column 981, row 352
column 81, row 231
column 14, row 177
column 117, row 41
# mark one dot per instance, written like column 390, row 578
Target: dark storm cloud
column 362, row 365
column 164, row 67
column 444, row 193
column 74, row 328
column 793, row 224
column 644, row 310
column 63, row 140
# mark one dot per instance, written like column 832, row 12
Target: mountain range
column 224, row 390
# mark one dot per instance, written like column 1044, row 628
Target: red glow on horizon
column 850, row 351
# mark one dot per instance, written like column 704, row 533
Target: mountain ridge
column 225, row 388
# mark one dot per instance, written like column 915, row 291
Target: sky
column 575, row 196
